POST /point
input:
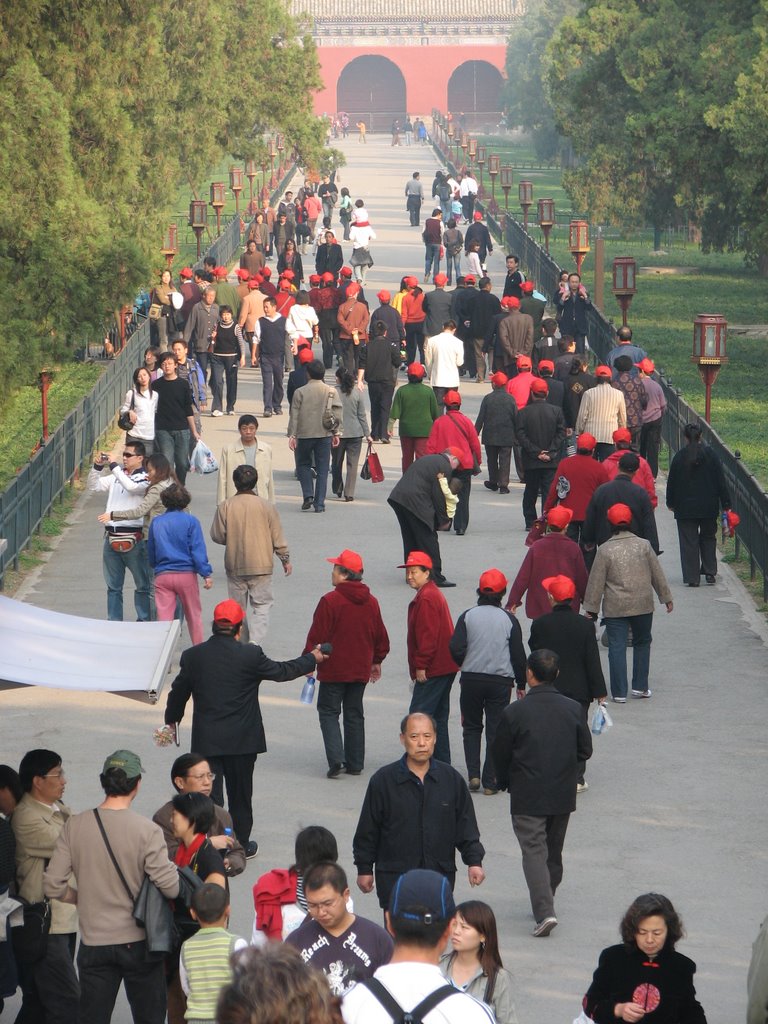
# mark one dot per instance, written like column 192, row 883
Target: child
column 204, row 967
column 451, row 501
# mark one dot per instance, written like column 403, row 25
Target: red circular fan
column 647, row 996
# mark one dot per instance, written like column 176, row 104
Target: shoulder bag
column 30, row 941
column 330, row 422
column 124, row 419
column 476, row 470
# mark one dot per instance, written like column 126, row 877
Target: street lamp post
column 236, row 185
column 710, row 332
column 494, row 164
column 250, row 173
column 506, row 183
column 44, row 379
column 218, row 199
column 198, row 219
column 624, row 283
column 481, row 159
column 280, row 144
column 546, row 218
column 472, row 156
column 525, row 192
column 578, row 241
column 272, row 153
column 170, row 245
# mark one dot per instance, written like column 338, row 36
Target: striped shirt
column 205, row 969
column 602, row 411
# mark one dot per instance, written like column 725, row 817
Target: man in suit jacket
column 222, row 676
column 572, row 637
column 539, row 743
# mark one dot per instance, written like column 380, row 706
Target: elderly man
column 248, row 451
column 602, row 411
column 314, row 427
column 514, row 336
column 416, row 813
column 199, row 328
column 540, row 434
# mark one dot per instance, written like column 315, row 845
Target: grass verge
column 52, row 526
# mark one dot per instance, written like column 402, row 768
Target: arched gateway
column 372, row 88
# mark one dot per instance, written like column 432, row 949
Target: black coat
column 556, row 393
column 437, row 306
column 462, row 300
column 478, row 232
column 696, row 491
column 483, row 308
column 222, row 676
column 576, row 385
column 405, row 824
column 573, row 315
column 540, row 428
column 329, row 258
column 620, row 971
column 497, row 418
column 572, row 636
column 597, row 529
column 539, row 743
column 418, row 489
column 391, row 319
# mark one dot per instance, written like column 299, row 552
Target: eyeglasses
column 132, row 455
column 325, row 905
column 209, row 776
column 54, row 775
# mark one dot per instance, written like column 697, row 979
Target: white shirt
column 468, row 186
column 145, row 406
column 360, row 236
column 300, row 322
column 125, row 492
column 409, row 983
column 443, row 355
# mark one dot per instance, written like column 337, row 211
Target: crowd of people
column 583, row 440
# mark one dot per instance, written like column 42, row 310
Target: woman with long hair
column 696, row 492
column 474, row 963
column 289, row 259
column 644, row 978
column 354, row 429
column 161, row 296
column 161, row 475
column 141, row 405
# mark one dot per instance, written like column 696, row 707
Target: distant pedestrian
column 314, row 427
column 415, row 409
column 432, row 236
column 554, row 554
column 653, row 414
column 496, row 423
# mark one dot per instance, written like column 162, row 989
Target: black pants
column 478, row 699
column 417, row 536
column 698, row 548
column 650, row 444
column 461, row 516
column 381, row 404
column 102, row 968
column 499, row 460
column 237, row 771
column 332, row 700
column 328, row 339
column 272, row 382
column 414, row 208
column 223, row 368
column 537, row 483
column 50, row 989
column 414, row 340
column 603, row 450
column 348, row 355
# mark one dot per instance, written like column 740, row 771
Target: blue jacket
column 176, row 545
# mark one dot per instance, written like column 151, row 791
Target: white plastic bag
column 601, row 720
column 202, row 459
column 583, row 1019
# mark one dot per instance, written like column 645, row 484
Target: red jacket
column 643, row 477
column 584, row 474
column 270, row 894
column 349, row 617
column 447, row 433
column 430, row 629
column 520, row 388
column 552, row 555
column 413, row 309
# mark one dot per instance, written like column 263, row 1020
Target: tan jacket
column 624, row 576
column 233, row 456
column 515, row 336
column 307, row 408
column 222, row 820
column 353, row 316
column 251, row 531
column 251, row 309
column 37, row 827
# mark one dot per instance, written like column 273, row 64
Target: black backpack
column 398, row 1014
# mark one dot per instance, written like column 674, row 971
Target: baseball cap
column 411, row 282
column 455, row 452
column 353, row 289
column 492, row 581
column 524, row 363
column 646, row 365
column 619, row 514
column 469, row 279
column 546, row 364
column 603, row 371
column 314, row 279
column 242, row 273
column 539, row 386
column 346, row 272
column 228, row 613
column 586, row 441
column 288, row 275
column 440, row 279
column 305, row 355
column 562, row 588
column 423, row 896
column 383, row 295
column 499, row 379
column 266, row 272
column 527, row 287
column 327, row 276
column 510, row 302
column 348, row 560
column 622, row 434
column 451, row 398
column 417, row 558
column 186, row 273
column 416, row 370
column 125, row 759
column 220, row 272
column 559, row 516
column 478, row 215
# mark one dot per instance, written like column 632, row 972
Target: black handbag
column 30, row 941
column 124, row 419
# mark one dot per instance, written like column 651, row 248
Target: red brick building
column 379, row 61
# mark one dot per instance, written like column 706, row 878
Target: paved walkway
column 677, row 794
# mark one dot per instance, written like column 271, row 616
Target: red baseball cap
column 492, row 581
column 524, row 363
column 619, row 514
column 348, row 560
column 314, row 279
column 559, row 516
column 186, row 273
column 469, row 279
column 242, row 273
column 220, row 272
column 417, row 558
column 478, row 215
column 440, row 279
column 228, row 613
column 288, row 275
column 539, row 386
column 455, row 452
column 510, row 302
column 603, row 371
column 383, row 295
column 622, row 434
column 411, row 282
column 646, row 365
column 346, row 272
column 527, row 287
column 499, row 379
column 546, row 364
column 266, row 272
column 305, row 355
column 353, row 289
column 327, row 276
column 451, row 398
column 285, row 284
column 416, row 370
column 562, row 588
column 586, row 441
column 254, row 282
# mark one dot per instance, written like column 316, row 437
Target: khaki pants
column 255, row 597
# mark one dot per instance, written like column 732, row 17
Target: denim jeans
column 320, row 447
column 114, row 564
column 332, row 700
column 618, row 633
column 434, row 698
column 431, row 259
column 272, row 382
column 224, row 368
column 101, row 970
column 453, row 265
column 174, row 445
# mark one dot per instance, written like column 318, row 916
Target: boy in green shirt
column 204, row 966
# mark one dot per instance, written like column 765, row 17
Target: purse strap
column 112, row 857
column 462, row 431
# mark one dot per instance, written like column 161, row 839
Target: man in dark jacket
column 540, row 434
column 437, row 306
column 419, row 504
column 572, row 310
column 222, row 676
column 572, row 637
column 539, row 744
column 478, row 232
column 379, row 360
column 621, row 490
column 532, row 306
column 388, row 315
column 462, row 300
column 513, row 282
column 496, row 420
column 417, row 812
column 349, row 618
column 482, row 310
column 329, row 258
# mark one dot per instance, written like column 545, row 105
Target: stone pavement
column 674, row 803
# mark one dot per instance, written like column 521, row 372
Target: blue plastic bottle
column 308, row 691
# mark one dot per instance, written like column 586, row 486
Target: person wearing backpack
column 410, row 987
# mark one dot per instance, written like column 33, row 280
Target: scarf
column 186, row 854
